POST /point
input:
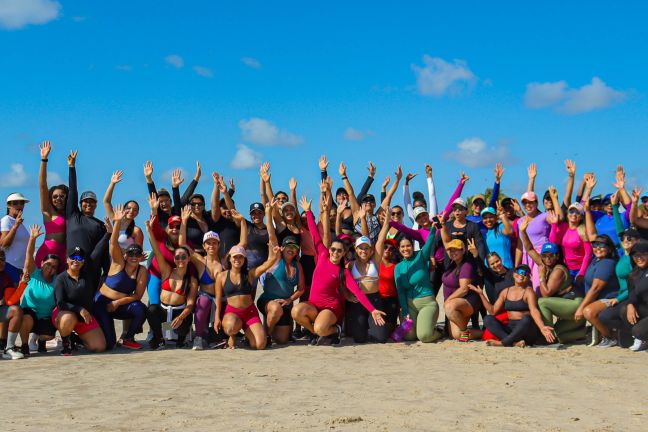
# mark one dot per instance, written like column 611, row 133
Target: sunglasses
column 180, row 257
column 397, row 213
column 574, row 211
column 599, row 244
column 16, row 203
column 77, row 258
column 133, row 253
column 197, row 204
column 174, row 226
column 336, row 250
column 629, row 238
column 548, row 255
column 521, row 272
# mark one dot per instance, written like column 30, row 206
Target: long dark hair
column 245, row 271
column 62, row 187
column 609, row 244
column 131, row 226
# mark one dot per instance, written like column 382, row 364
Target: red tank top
column 386, row 281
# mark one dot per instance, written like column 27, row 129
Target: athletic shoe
column 66, row 351
column 24, row 349
column 465, row 336
column 130, row 343
column 607, row 342
column 12, row 353
column 336, row 339
column 42, row 346
column 197, row 343
column 155, row 344
column 596, row 337
column 314, row 340
column 639, row 345
column 33, row 342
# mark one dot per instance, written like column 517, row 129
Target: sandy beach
column 392, row 387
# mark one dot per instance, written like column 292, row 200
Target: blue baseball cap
column 488, row 210
column 550, row 248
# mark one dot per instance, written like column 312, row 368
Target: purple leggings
column 202, row 313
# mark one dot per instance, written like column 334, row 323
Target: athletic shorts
column 248, row 315
column 337, row 308
column 286, row 317
column 4, row 313
column 42, row 326
column 81, row 327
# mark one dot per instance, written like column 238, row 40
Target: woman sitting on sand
column 635, row 313
column 523, row 313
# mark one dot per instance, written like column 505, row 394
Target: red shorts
column 336, row 308
column 81, row 327
column 249, row 315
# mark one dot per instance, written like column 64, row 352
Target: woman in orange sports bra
column 235, row 284
column 177, row 297
column 52, row 205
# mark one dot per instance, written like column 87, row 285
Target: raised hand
column 198, row 171
column 119, row 213
column 524, row 223
column 185, row 213
column 516, row 206
column 636, row 194
column 236, row 215
column 71, row 159
column 499, row 171
column 342, row 169
column 591, row 182
column 35, row 231
column 570, row 165
column 264, row 172
column 399, row 172
column 45, row 149
column 409, row 177
column 552, row 218
column 108, row 225
column 342, row 207
column 501, row 214
column 231, row 184
column 362, row 213
column 323, row 163
column 292, row 184
column 620, row 176
column 305, row 204
column 371, row 169
column 222, row 187
column 117, row 177
column 553, row 191
column 428, row 170
column 176, row 178
column 472, row 247
column 464, row 178
column 153, row 202
column 385, row 183
column 215, row 177
column 532, row 171
column 148, row 169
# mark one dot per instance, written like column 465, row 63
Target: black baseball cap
column 88, row 195
column 290, row 241
column 163, row 192
column 257, row 206
column 341, row 190
column 136, row 248
column 640, row 247
column 368, row 198
column 78, row 251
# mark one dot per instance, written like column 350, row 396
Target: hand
column 433, row 262
column 185, row 213
column 117, row 177
column 613, row 302
column 499, row 172
column 570, row 165
column 591, row 182
column 148, row 169
column 110, row 307
column 532, row 171
column 501, row 214
column 342, row 207
column 176, row 178
column 19, row 218
column 323, row 187
column 222, row 187
column 614, row 198
column 586, row 176
column 636, row 194
column 108, row 225
column 149, row 225
column 399, row 172
column 25, row 278
column 552, row 217
column 198, row 171
column 524, row 223
column 215, row 177
column 153, row 202
column 385, row 183
column 377, row 316
column 285, row 302
column 472, row 247
column 342, row 170
column 542, row 272
column 236, row 216
column 619, row 175
column 177, row 322
column 118, row 212
column 264, row 172
column 217, row 324
column 579, row 314
column 305, row 204
column 428, row 170
column 548, row 333
column 323, row 163
column 45, row 149
column 71, row 159
column 371, row 169
column 409, row 177
column 464, row 178
column 35, row 232
column 292, row 184
column 231, row 184
column 362, row 213
column 516, row 206
column 476, row 289
column 553, row 191
column 631, row 314
column 87, row 318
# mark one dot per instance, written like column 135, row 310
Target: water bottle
column 402, row 330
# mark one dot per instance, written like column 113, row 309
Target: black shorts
column 43, row 326
column 286, row 317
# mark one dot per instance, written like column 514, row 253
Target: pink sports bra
column 55, row 226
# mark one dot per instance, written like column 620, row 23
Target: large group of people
column 511, row 273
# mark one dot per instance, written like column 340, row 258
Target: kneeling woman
column 177, row 297
column 523, row 313
column 236, row 285
column 121, row 294
column 324, row 311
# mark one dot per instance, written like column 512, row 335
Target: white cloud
column 54, row 178
column 174, row 60
column 203, row 71
column 245, row 158
column 16, row 177
column 124, row 68
column 474, row 153
column 263, row 132
column 251, row 62
column 561, row 98
column 16, row 14
column 438, row 77
column 351, row 134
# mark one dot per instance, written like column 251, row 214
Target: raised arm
column 273, row 256
column 114, row 249
column 192, row 186
column 433, row 206
column 526, row 241
column 215, row 198
column 45, row 205
column 272, row 234
column 165, row 268
column 622, row 194
column 499, row 172
column 532, row 172
column 265, row 188
column 618, row 222
column 590, row 227
column 305, row 204
column 571, row 175
column 148, row 175
column 634, row 210
column 590, row 183
column 72, row 203
column 325, row 199
column 553, row 192
column 176, row 181
column 349, row 188
column 30, row 264
column 364, row 190
column 107, row 199
column 447, row 211
column 407, row 197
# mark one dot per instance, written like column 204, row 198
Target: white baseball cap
column 16, row 196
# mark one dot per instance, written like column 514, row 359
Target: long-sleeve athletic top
column 412, row 276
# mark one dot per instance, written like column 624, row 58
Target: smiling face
column 257, row 217
column 455, row 255
column 548, row 204
column 549, row 259
column 181, row 258
column 489, row 220
column 521, row 277
column 477, row 206
column 397, row 214
column 49, row 268
column 281, row 197
column 165, row 203
column 173, row 231
column 289, row 252
column 336, row 252
column 530, row 206
column 131, row 210
column 75, row 264
column 197, row 206
column 341, row 197
column 600, row 248
column 423, row 219
column 369, row 207
column 237, row 261
column 58, row 199
column 211, row 246
column 406, row 248
column 574, row 217
column 289, row 213
column 495, row 264
column 88, row 207
column 640, row 259
column 627, row 241
column 364, row 252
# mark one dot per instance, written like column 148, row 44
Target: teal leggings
column 425, row 312
column 567, row 329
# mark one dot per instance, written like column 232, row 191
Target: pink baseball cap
column 237, row 250
column 529, row 196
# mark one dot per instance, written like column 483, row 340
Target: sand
column 392, row 387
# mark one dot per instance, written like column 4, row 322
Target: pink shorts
column 249, row 315
column 81, row 327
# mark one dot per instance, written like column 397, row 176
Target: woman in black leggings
column 635, row 313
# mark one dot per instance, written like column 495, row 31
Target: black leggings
column 516, row 330
column 360, row 325
column 391, row 306
column 157, row 315
column 640, row 329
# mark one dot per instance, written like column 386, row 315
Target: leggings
column 153, row 287
column 567, row 329
column 424, row 311
column 640, row 329
column 515, row 331
column 134, row 311
column 157, row 315
column 360, row 324
column 203, row 313
column 391, row 307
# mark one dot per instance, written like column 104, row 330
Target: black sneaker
column 313, row 340
column 66, row 350
column 156, row 344
column 24, row 349
column 336, row 338
column 42, row 346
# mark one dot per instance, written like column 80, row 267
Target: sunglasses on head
column 598, row 244
column 77, row 258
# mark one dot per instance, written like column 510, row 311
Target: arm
column 293, row 191
column 550, row 286
column 191, row 303
column 409, row 232
column 586, row 259
column 107, row 199
column 176, row 181
column 272, row 234
column 553, row 192
column 364, row 228
column 407, row 201
column 490, row 308
column 243, row 224
column 464, row 282
column 273, row 257
column 457, row 193
column 72, row 203
column 215, row 199
column 590, row 227
column 634, row 210
column 532, row 301
column 433, row 206
column 349, row 188
column 581, row 188
column 45, row 205
column 30, row 264
column 192, row 186
column 571, row 171
column 380, row 242
column 7, row 235
column 165, row 269
column 218, row 289
column 526, row 242
column 148, row 175
column 386, row 202
column 368, row 182
column 591, row 296
column 114, row 249
column 532, row 172
column 618, row 223
column 312, row 226
column 499, row 172
column 137, row 295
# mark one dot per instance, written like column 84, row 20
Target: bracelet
column 344, row 177
column 44, row 160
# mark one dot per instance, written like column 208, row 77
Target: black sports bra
column 515, row 305
column 231, row 289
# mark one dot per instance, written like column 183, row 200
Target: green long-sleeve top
column 412, row 275
column 624, row 265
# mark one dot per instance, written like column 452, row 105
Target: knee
column 231, row 325
column 274, row 309
column 489, row 320
column 96, row 346
column 298, row 312
column 203, row 302
column 15, row 312
column 260, row 342
column 589, row 313
column 66, row 321
column 319, row 328
column 154, row 310
column 139, row 310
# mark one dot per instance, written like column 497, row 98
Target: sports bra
column 124, row 240
column 205, row 279
column 166, row 285
column 55, row 226
column 515, row 305
column 372, row 272
column 122, row 282
column 232, row 289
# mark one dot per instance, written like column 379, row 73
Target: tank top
column 386, row 281
column 566, row 285
column 55, row 226
column 231, row 289
column 278, row 285
column 515, row 305
column 122, row 282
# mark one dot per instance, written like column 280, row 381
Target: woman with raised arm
column 635, row 312
column 235, row 285
column 282, row 285
column 52, row 206
column 120, row 296
column 223, row 224
column 499, row 233
column 38, row 299
column 208, row 268
column 524, row 319
column 637, row 221
column 559, row 296
column 178, row 294
column 166, row 208
column 324, row 311
column 14, row 236
column 129, row 233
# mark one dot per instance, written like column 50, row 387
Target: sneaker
column 596, row 337
column 42, row 346
column 24, row 349
column 197, row 343
column 66, row 350
column 12, row 353
column 156, row 344
column 465, row 336
column 639, row 345
column 33, row 342
column 607, row 342
column 336, row 339
column 130, row 343
column 313, row 340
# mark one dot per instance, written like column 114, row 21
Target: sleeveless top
column 122, row 282
column 515, row 305
column 55, row 226
column 231, row 289
column 277, row 284
column 386, row 281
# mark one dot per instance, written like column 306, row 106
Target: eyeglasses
column 180, row 257
column 197, row 204
column 598, row 244
column 336, row 250
column 77, row 258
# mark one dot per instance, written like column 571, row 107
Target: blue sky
column 460, row 85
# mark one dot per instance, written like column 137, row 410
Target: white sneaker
column 12, row 353
column 197, row 343
column 607, row 342
column 639, row 345
column 33, row 342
